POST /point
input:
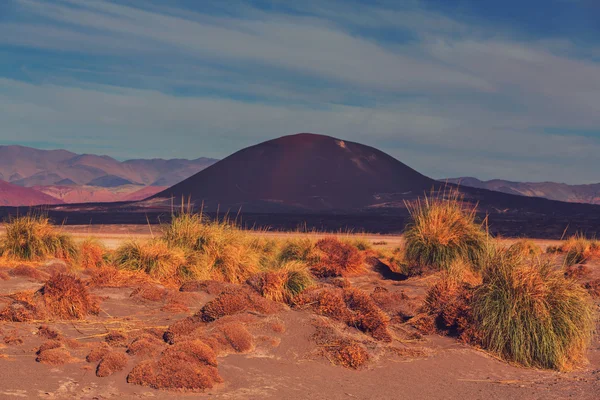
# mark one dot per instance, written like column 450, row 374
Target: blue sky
column 489, row 89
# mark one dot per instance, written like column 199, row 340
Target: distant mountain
column 13, row 195
column 76, row 178
column 549, row 190
column 25, row 166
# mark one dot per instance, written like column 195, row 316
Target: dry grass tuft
column 352, row 306
column 185, row 366
column 238, row 336
column 54, row 356
column 529, row 313
column 146, row 345
column 578, row 271
column 448, row 306
column 4, row 276
column 116, row 339
column 235, row 301
column 442, row 229
column 112, row 362
column 66, row 296
column 33, row 238
column 337, row 259
column 341, row 351
column 577, row 250
column 98, row 352
column 92, row 254
column 284, row 283
column 49, row 345
column 149, row 292
column 48, row 333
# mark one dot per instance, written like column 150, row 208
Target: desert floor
column 285, row 363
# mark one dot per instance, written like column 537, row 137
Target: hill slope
column 302, row 171
column 13, row 195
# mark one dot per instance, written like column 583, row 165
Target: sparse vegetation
column 337, row 259
column 441, row 230
column 525, row 247
column 32, row 237
column 154, row 257
column 284, row 283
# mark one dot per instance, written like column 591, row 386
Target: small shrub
column 284, row 283
column 300, row 249
column 66, row 296
column 527, row 312
column 238, row 337
column 112, row 362
column 235, row 301
column 34, row 238
column 54, row 356
column 337, row 259
column 92, row 254
column 441, row 230
column 341, row 351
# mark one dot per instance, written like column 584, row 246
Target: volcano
column 304, row 172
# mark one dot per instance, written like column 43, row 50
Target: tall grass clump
column 527, row 312
column 525, row 247
column 154, row 257
column 578, row 249
column 33, row 238
column 92, row 254
column 442, row 229
column 214, row 249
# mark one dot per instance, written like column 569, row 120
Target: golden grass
column 92, row 254
column 529, row 313
column 284, row 282
column 441, row 229
column 33, row 238
column 155, row 257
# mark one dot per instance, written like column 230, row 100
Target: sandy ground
column 290, row 369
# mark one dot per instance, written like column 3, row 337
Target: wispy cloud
column 447, row 95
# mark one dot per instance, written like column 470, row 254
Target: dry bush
column 116, row 338
column 33, row 238
column 183, row 366
column 49, row 345
column 238, row 336
column 92, row 254
column 54, row 356
column 234, row 301
column 98, row 352
column 112, row 362
column 337, row 259
column 4, row 276
column 442, row 229
column 66, row 296
column 361, row 243
column 182, row 328
column 284, row 283
column 448, row 306
column 146, row 345
column 13, row 338
column 27, row 271
column 525, row 248
column 529, row 313
column 341, row 351
column 351, row 306
column 111, row 277
column 20, row 310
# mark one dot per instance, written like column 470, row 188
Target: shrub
column 527, row 312
column 234, row 301
column 154, row 257
column 337, row 259
column 112, row 362
column 67, row 297
column 283, row 284
column 579, row 249
column 34, row 238
column 442, row 229
column 299, row 249
column 92, row 254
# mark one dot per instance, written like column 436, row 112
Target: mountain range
column 76, row 178
column 550, row 190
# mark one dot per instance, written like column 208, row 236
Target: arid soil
column 285, row 359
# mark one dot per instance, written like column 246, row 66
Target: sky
column 492, row 89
